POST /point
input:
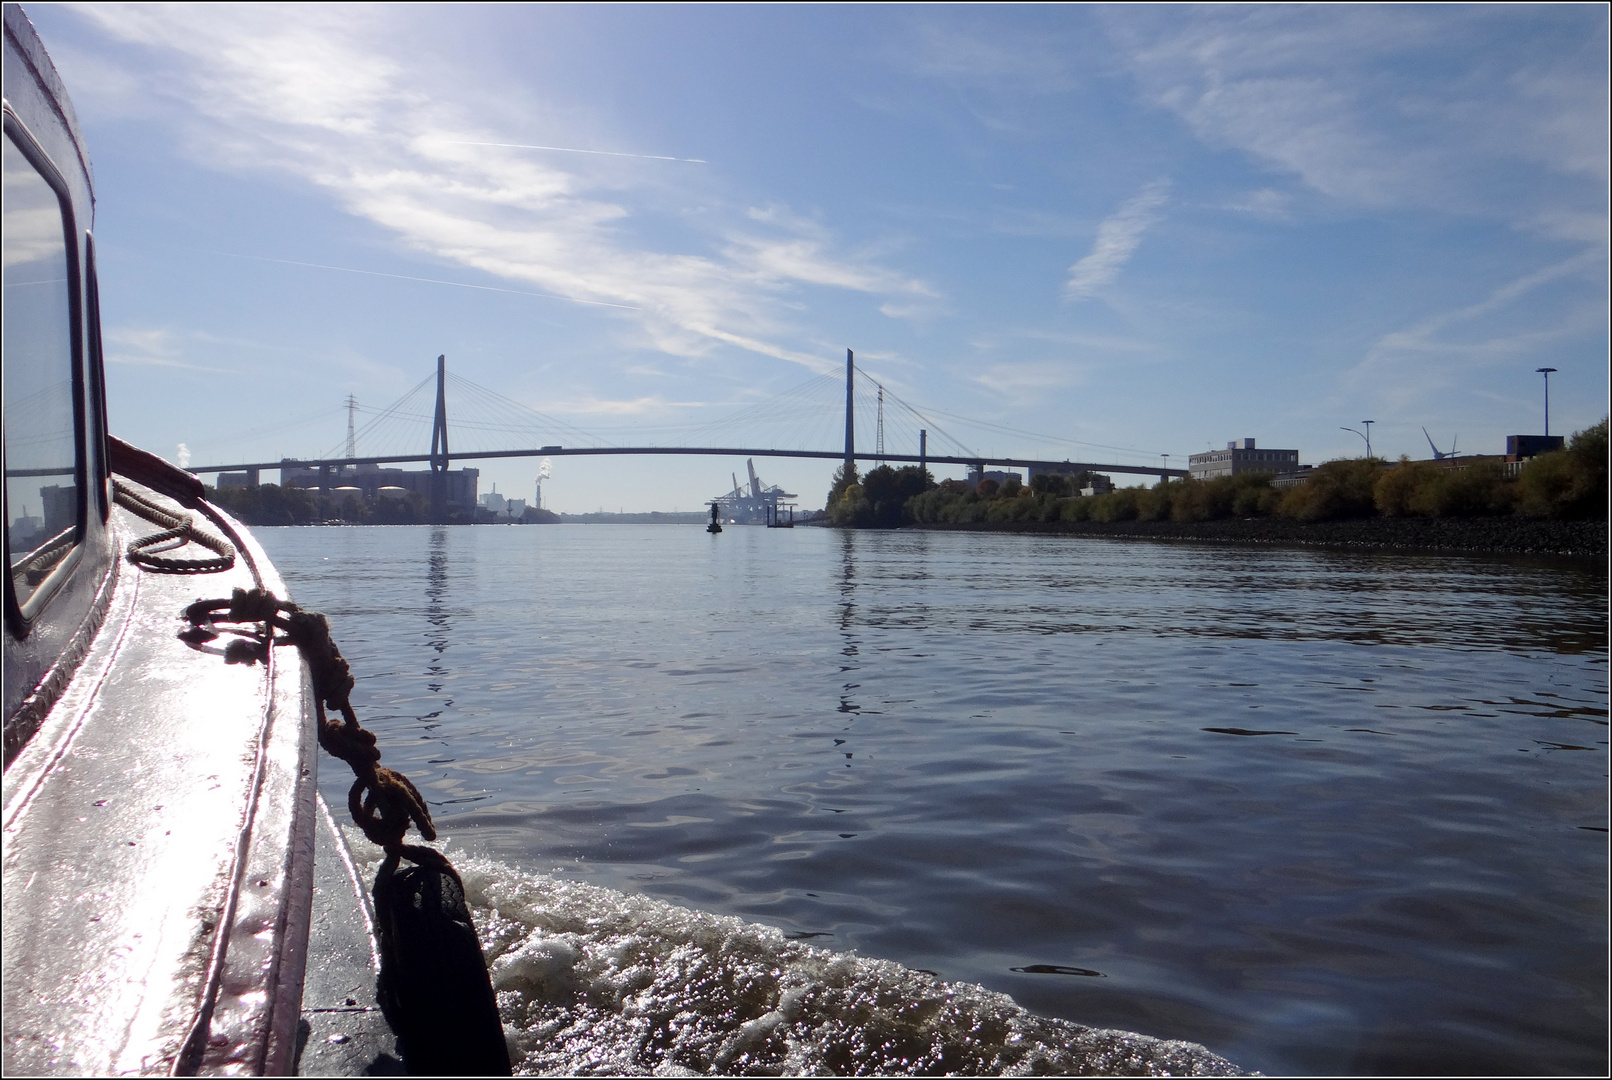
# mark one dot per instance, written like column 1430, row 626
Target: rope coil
column 176, row 527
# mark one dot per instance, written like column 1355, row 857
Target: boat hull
column 159, row 835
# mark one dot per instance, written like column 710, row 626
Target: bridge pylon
column 850, row 413
column 439, row 447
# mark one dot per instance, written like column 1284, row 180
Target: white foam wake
column 594, row 982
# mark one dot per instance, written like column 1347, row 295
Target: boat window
column 41, row 438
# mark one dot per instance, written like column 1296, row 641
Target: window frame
column 95, row 365
column 20, row 616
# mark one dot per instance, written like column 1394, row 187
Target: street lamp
column 1545, row 371
column 1166, row 476
column 1363, row 434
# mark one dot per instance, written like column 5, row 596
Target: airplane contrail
column 432, row 281
column 575, row 150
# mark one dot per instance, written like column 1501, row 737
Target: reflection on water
column 1320, row 811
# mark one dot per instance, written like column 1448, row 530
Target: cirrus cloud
column 1117, row 238
column 316, row 97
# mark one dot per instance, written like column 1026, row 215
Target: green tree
column 882, row 497
column 844, row 477
column 1395, row 494
column 1244, row 495
column 1335, row 490
column 1568, row 483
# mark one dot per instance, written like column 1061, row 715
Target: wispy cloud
column 1450, row 108
column 804, row 259
column 575, row 150
column 1025, row 379
column 316, row 98
column 425, row 280
column 1266, row 203
column 1404, row 365
column 151, row 348
column 640, row 406
column 1101, row 343
column 969, row 54
column 1117, row 238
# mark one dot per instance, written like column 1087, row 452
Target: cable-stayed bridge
column 800, row 417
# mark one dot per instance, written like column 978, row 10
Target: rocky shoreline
column 1500, row 536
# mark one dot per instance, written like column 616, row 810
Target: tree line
column 271, row 504
column 1564, row 484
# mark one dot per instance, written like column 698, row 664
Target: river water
column 1319, row 811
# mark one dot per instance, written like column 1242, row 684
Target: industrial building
column 1000, row 476
column 1523, row 447
column 1235, row 459
column 369, row 479
column 502, row 509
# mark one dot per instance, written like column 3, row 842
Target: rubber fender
column 433, row 988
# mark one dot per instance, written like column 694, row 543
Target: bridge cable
column 368, row 431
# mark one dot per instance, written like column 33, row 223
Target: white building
column 501, row 508
column 1234, row 459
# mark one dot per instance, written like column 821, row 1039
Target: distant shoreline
column 1472, row 536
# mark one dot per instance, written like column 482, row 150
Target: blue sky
column 1111, row 233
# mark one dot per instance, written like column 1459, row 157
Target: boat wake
column 594, row 982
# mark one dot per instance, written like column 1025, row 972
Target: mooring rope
column 178, row 527
column 37, row 567
column 383, row 802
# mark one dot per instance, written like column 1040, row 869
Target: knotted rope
column 175, row 527
column 383, row 802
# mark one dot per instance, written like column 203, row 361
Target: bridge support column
column 439, row 448
column 923, row 450
column 850, row 413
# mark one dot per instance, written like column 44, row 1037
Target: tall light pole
column 1545, row 371
column 1368, row 424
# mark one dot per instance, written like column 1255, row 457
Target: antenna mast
column 880, row 448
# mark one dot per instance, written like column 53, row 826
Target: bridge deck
column 700, row 451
